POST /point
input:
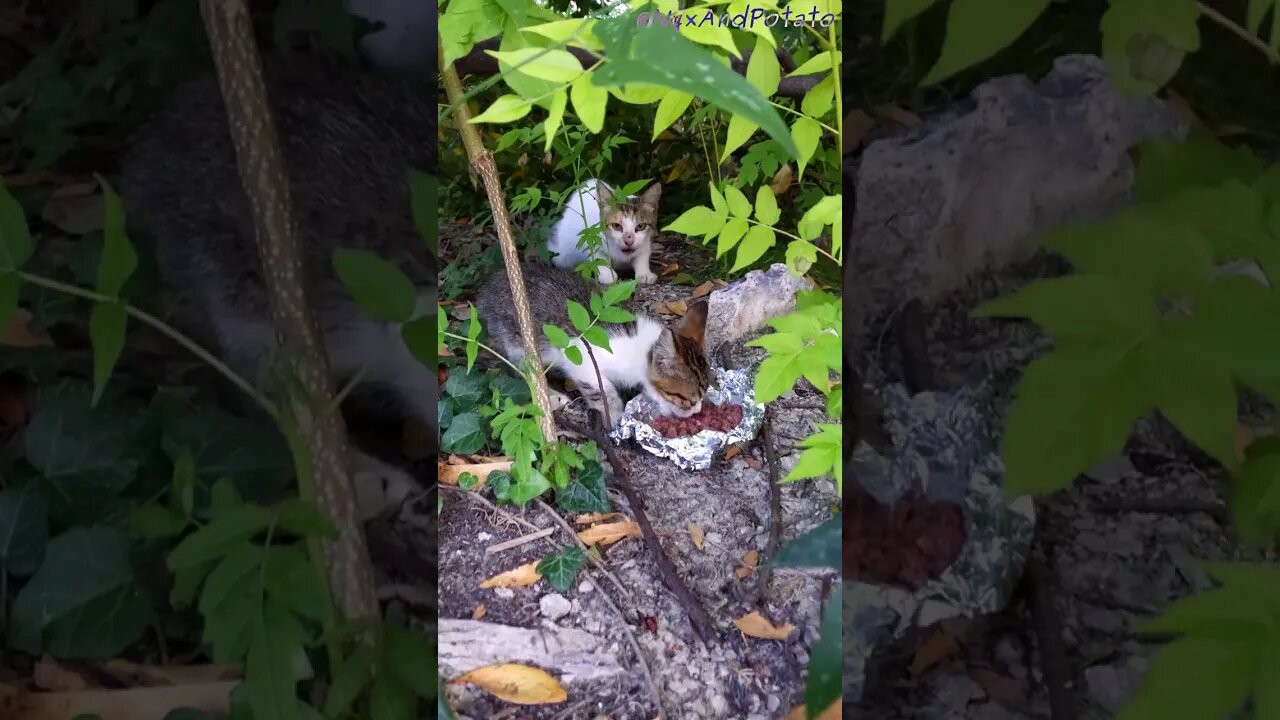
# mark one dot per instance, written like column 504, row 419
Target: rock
column 973, row 188
column 554, row 606
column 504, row 593
column 744, row 306
column 585, row 587
column 1111, row 686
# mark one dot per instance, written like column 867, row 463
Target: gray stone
column 1111, row 686
column 554, row 606
column 973, row 188
column 743, row 307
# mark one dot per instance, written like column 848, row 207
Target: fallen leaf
column 757, row 626
column 479, row 612
column 49, row 674
column 672, row 307
column 695, row 534
column 449, row 473
column 1009, row 692
column 668, row 268
column 703, row 289
column 132, row 704
column 610, row 533
column 935, row 649
column 460, row 311
column 522, row 576
column 800, row 712
column 721, row 283
column 752, row 462
column 151, row 675
column 897, row 114
column 73, row 211
column 590, row 518
column 516, row 683
column 752, row 558
column 442, row 372
column 18, row 332
column 782, row 180
column 733, row 451
column 857, row 124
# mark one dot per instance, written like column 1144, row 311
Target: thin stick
column 604, row 401
column 775, row 510
column 1231, row 25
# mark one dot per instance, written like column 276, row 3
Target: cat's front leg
column 607, row 275
column 641, row 266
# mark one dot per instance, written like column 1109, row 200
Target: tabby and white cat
column 626, row 233
column 669, row 365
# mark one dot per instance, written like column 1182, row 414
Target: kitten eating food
column 670, row 365
column 626, row 233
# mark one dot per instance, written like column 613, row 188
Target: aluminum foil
column 945, row 447
column 695, row 452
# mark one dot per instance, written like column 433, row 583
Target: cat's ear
column 604, row 194
column 665, row 348
column 650, row 196
column 694, row 325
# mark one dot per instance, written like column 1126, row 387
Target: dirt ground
column 625, row 610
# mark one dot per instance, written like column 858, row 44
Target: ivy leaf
column 807, row 133
column 823, row 685
column 820, row 547
column 897, row 12
column 507, row 108
column 758, row 240
column 978, row 29
column 739, row 206
column 561, row 567
column 578, row 315
column 590, row 101
column 1072, row 409
column 1166, row 166
column 467, row 389
column 24, row 529
column 84, row 601
column 598, row 337
column 763, row 70
column 730, row 235
column 1143, row 41
column 1196, row 678
column 377, row 285
column 465, row 435
column 698, row 220
column 1080, row 307
column 821, row 456
column 107, row 324
column 251, row 452
column 767, row 206
column 586, row 491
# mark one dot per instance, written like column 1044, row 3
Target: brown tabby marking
column 643, row 208
column 678, row 367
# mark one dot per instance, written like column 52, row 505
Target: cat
column 670, row 365
column 348, row 143
column 626, row 233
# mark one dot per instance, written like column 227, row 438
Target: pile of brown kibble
column 712, row 417
column 906, row 544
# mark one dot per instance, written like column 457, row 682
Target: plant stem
column 793, row 111
column 157, row 324
column 482, row 346
column 1272, row 55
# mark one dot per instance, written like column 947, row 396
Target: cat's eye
column 616, row 226
column 642, row 226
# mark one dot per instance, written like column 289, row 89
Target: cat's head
column 679, row 373
column 629, row 225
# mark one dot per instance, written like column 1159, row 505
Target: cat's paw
column 646, row 276
column 608, row 276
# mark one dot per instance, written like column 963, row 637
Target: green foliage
column 561, row 567
column 977, row 29
column 823, row 685
column 820, row 547
column 586, row 491
column 378, row 286
column 24, row 529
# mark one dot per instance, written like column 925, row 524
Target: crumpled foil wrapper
column 695, row 452
column 944, row 447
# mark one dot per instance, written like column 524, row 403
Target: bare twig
column 1231, row 25
column 1048, row 630
column 604, row 401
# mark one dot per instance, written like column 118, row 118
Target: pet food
column 903, row 545
column 722, row 418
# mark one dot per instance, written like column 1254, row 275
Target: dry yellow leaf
column 610, row 533
column 743, row 572
column 522, row 576
column 938, row 647
column 479, row 612
column 757, row 626
column 591, row 518
column 672, row 307
column 516, row 683
column 782, row 180
column 703, row 289
column 695, row 534
column 751, row 559
column 831, row 713
column 734, row 451
column 857, row 124
column 449, row 474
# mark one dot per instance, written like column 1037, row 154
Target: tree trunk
column 324, row 463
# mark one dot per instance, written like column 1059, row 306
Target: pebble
column 554, row 606
column 504, row 593
column 585, row 587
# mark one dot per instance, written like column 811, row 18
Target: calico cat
column 626, row 233
column 669, row 365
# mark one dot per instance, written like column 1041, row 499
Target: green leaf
column 655, row 55
column 823, row 685
column 615, row 315
column 618, row 292
column 801, row 255
column 671, row 107
column 817, row 102
column 411, row 656
column 294, row 583
column 468, row 390
column 978, row 29
column 252, row 452
column 528, row 485
column 1257, row 11
column 739, row 206
column 824, row 212
column 423, row 190
column 473, row 333
column 1231, row 613
column 15, row 236
column 1230, row 311
column 107, row 323
column 739, row 132
column 821, row 457
column 807, row 133
column 1072, row 409
column 424, row 346
column 586, row 491
column 269, row 667
column 24, row 529
column 816, row 64
column 553, row 65
column 730, row 235
column 578, row 315
column 507, row 108
column 758, row 241
column 780, row 371
column 1255, row 502
column 574, row 354
column 897, row 12
column 119, row 260
column 1166, row 166
column 1195, row 679
column 510, row 388
column 182, row 488
column 1080, row 307
column 555, row 116
column 835, row 401
column 349, row 680
column 820, row 547
column 391, row 700
column 561, row 567
column 236, row 573
column 225, row 531
column 153, row 521
column 464, row 436
column 1144, row 41
column 763, row 70
column 598, row 337
column 84, row 601
column 556, row 336
column 698, row 220
column 767, row 211
column 590, row 102
column 378, row 286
